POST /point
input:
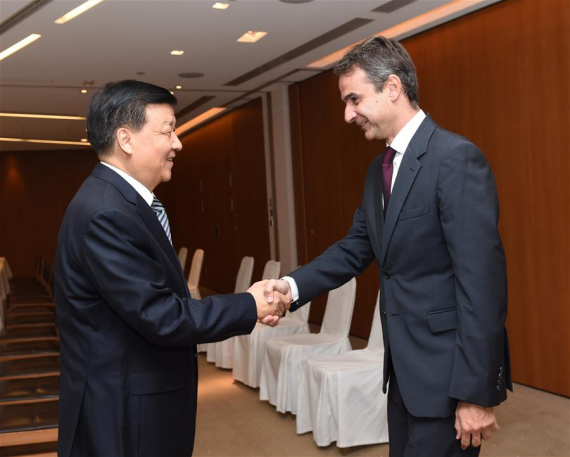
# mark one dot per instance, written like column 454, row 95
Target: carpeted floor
column 232, row 421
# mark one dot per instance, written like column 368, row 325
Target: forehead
column 354, row 82
column 160, row 114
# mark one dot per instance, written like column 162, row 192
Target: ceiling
column 132, row 39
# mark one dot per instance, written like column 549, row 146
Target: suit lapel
column 407, row 173
column 144, row 211
column 149, row 217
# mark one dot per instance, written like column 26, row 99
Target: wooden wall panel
column 201, row 196
column 499, row 77
column 35, row 189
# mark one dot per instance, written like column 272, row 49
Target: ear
column 124, row 140
column 394, row 85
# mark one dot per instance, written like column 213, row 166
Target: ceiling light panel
column 77, row 11
column 198, row 120
column 30, row 140
column 251, row 37
column 176, row 52
column 221, row 6
column 43, row 116
column 19, row 45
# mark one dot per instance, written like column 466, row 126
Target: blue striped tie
column 161, row 215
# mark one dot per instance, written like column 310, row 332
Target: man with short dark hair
column 429, row 218
column 128, row 326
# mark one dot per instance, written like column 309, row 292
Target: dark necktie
column 160, row 212
column 387, row 170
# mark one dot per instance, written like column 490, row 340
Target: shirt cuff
column 293, row 287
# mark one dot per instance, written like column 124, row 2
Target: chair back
column 195, row 269
column 375, row 341
column 338, row 313
column 271, row 270
column 182, row 254
column 243, row 280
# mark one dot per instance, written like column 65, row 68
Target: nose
column 176, row 144
column 349, row 114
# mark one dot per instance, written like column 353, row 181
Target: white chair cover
column 284, row 357
column 194, row 284
column 182, row 255
column 271, row 270
column 249, row 350
column 340, row 396
column 194, row 275
column 221, row 353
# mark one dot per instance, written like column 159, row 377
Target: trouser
column 412, row 436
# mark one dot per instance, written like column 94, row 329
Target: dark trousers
column 420, row 436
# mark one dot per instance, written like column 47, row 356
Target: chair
column 340, row 396
column 182, row 255
column 249, row 350
column 284, row 357
column 194, row 275
column 221, row 353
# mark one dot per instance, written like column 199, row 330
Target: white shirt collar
column 404, row 136
column 146, row 194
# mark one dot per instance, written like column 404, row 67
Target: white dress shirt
column 146, row 194
column 399, row 144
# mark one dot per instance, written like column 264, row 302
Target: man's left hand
column 474, row 423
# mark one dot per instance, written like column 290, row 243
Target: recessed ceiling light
column 172, row 92
column 28, row 140
column 251, row 36
column 19, row 45
column 44, row 116
column 178, row 87
column 176, row 52
column 77, row 11
column 83, row 91
column 221, row 6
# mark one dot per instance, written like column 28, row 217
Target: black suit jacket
column 128, row 327
column 442, row 269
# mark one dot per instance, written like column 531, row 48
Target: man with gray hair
column 429, row 218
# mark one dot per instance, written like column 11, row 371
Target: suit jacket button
column 500, row 369
column 387, row 275
column 498, row 388
column 500, row 375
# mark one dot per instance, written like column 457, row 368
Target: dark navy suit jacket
column 128, row 327
column 442, row 269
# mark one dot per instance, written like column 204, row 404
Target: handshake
column 272, row 298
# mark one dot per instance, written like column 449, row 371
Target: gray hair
column 381, row 57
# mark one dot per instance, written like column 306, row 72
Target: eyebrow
column 348, row 96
